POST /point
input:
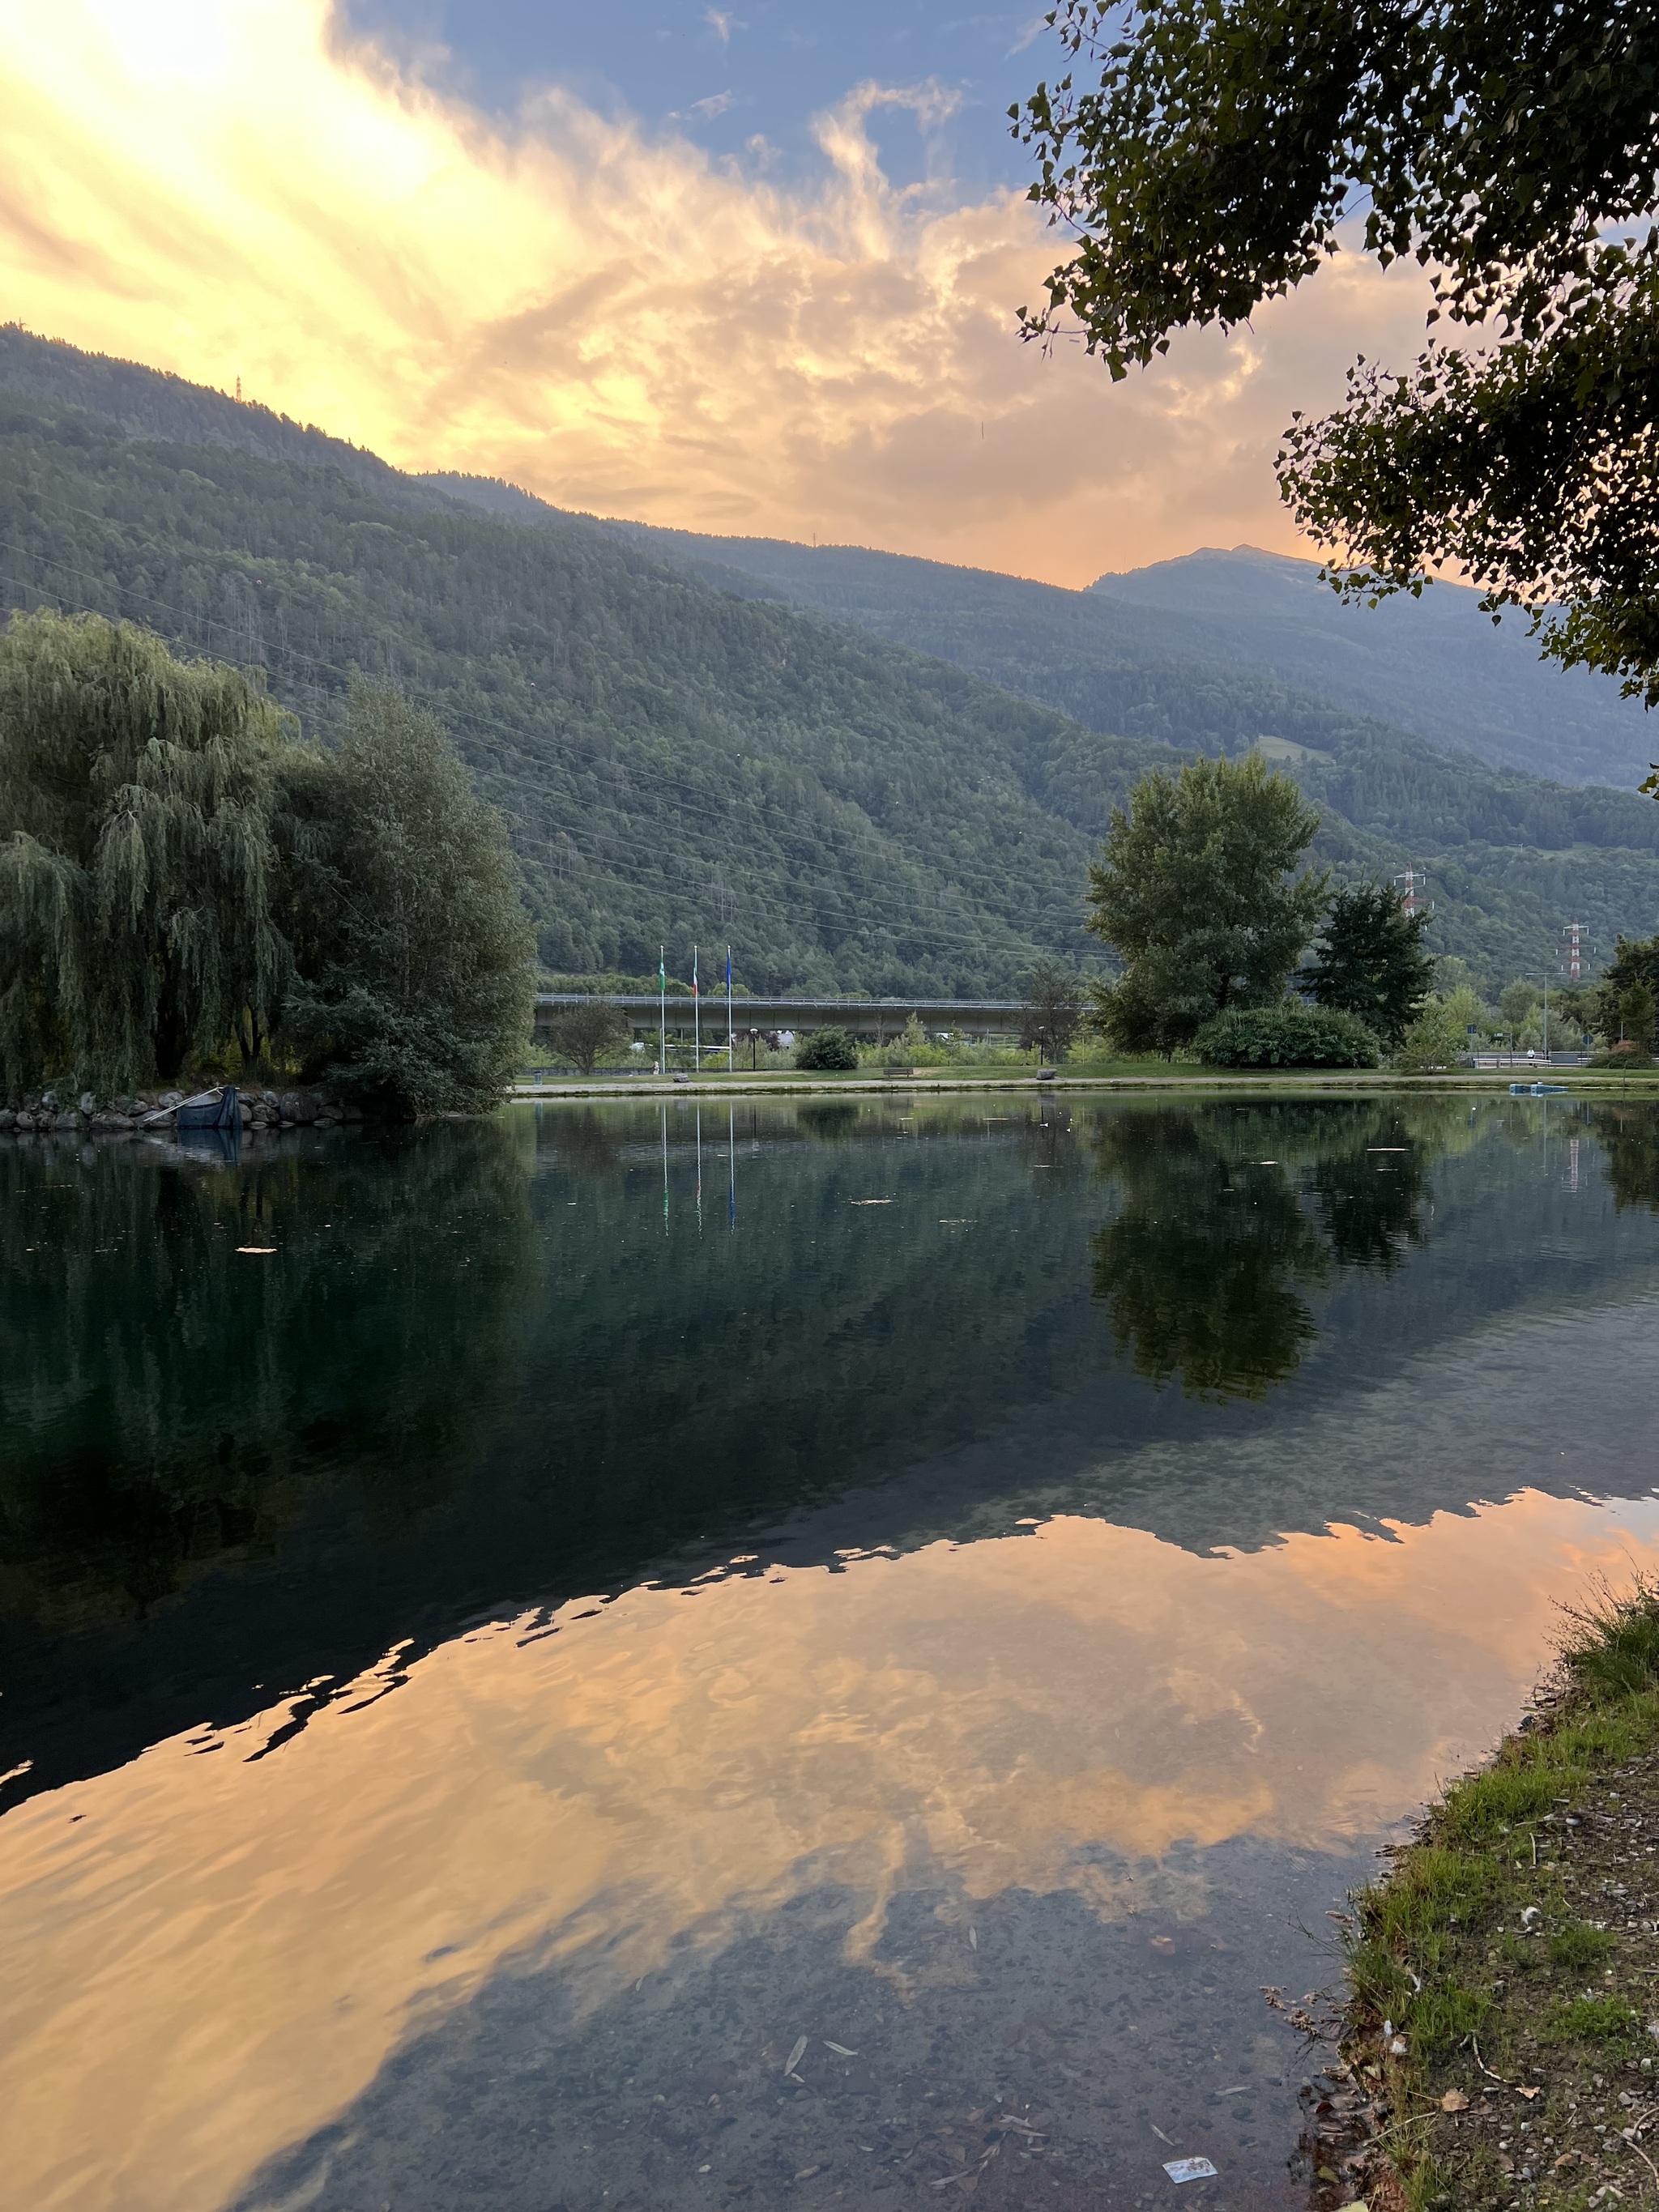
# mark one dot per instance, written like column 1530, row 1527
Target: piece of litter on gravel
column 791, row 2061
column 1189, row 2169
column 1237, row 2090
column 973, row 1939
column 1397, row 2048
column 1530, row 2094
column 806, row 2173
column 840, row 2049
column 1159, row 2133
column 705, row 2169
column 1454, row 2101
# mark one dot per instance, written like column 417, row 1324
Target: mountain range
column 863, row 771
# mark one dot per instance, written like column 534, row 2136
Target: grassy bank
column 1502, row 2011
column 1153, row 1076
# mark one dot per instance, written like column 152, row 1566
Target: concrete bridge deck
column 873, row 1019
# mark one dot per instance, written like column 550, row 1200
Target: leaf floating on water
column 790, row 2064
column 973, row 1939
column 840, row 2049
column 869, row 1201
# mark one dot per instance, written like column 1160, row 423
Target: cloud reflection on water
column 207, row 1959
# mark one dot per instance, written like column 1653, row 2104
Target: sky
column 751, row 268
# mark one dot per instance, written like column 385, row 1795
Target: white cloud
column 624, row 324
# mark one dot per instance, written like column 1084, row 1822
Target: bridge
column 873, row 1020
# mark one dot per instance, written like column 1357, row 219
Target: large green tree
column 1194, row 891
column 1225, row 148
column 140, row 857
column 416, row 960
column 1370, row 960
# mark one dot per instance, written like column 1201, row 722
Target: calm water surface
column 675, row 1658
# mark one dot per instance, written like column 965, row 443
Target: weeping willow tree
column 140, row 856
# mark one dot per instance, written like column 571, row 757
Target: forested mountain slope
column 684, row 760
column 1435, row 665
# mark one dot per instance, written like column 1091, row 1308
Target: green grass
column 1441, row 1946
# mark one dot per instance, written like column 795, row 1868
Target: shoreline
column 1576, row 1082
column 1500, row 2034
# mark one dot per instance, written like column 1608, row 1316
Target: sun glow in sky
column 616, row 308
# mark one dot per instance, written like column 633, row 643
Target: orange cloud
column 227, row 188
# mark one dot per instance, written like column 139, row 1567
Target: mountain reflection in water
column 357, row 1819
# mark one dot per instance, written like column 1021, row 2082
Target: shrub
column 827, row 1052
column 1290, row 1035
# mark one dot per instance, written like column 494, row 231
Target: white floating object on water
column 840, row 2049
column 795, row 2056
column 1189, row 2169
column 260, row 1251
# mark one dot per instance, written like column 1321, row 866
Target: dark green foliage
column 1289, row 1035
column 1627, row 998
column 1051, row 1013
column 1370, row 961
column 141, row 818
column 827, row 1052
column 1191, row 891
column 582, row 1033
column 1505, row 147
column 416, row 960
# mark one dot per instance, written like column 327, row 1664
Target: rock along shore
column 149, row 1114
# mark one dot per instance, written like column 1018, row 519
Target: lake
column 676, row 1656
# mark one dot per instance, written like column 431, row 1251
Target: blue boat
column 211, row 1109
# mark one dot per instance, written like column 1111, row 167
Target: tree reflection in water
column 1226, row 1219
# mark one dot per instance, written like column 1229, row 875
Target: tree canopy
column 179, row 875
column 140, row 799
column 1370, row 960
column 417, row 975
column 1230, row 147
column 1194, row 891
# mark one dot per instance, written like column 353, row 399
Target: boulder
column 171, row 1098
column 88, row 1104
column 8, row 1118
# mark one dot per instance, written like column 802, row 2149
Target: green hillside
column 1435, row 665
column 684, row 759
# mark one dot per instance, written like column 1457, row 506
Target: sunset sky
column 743, row 269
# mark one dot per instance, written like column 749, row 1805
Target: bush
column 827, row 1052
column 1287, row 1036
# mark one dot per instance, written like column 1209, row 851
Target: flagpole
column 696, row 1016
column 729, row 1058
column 662, row 1020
